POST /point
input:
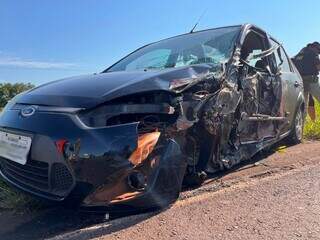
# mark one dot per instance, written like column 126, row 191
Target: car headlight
column 147, row 108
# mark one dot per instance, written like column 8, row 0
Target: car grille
column 32, row 175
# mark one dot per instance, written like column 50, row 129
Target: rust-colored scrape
column 146, row 144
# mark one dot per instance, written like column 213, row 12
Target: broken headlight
column 149, row 109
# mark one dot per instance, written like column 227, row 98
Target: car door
column 258, row 109
column 291, row 83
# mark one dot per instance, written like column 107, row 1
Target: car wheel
column 296, row 134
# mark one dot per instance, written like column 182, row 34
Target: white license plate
column 14, row 147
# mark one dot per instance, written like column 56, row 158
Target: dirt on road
column 274, row 197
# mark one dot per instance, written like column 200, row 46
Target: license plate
column 14, row 147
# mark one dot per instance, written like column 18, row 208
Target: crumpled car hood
column 91, row 90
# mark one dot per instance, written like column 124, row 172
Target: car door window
column 281, row 58
column 285, row 65
column 253, row 61
column 255, row 44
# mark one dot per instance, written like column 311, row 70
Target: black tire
column 296, row 133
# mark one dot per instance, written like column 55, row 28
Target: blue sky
column 41, row 41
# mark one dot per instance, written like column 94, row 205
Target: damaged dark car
column 169, row 113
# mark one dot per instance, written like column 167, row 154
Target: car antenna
column 201, row 16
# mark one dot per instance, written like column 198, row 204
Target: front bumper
column 99, row 161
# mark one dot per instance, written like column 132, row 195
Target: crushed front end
column 131, row 151
column 101, row 165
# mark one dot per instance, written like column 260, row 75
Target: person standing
column 308, row 64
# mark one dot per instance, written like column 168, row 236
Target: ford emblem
column 28, row 111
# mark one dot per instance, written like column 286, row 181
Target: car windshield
column 211, row 46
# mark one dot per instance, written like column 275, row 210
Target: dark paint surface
column 91, row 90
column 105, row 148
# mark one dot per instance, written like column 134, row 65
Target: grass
column 11, row 199
column 312, row 129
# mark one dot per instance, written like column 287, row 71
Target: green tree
column 9, row 90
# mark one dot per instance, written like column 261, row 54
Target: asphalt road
column 272, row 197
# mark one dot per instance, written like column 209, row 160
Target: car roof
column 243, row 28
column 199, row 31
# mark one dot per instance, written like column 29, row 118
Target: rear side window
column 281, row 58
column 285, row 67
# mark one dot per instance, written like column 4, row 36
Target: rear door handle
column 296, row 84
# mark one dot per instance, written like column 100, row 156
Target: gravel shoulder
column 277, row 197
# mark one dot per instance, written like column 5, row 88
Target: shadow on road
column 58, row 220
